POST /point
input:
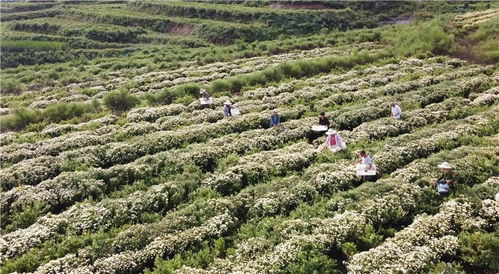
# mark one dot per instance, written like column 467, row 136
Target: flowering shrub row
column 298, row 234
column 110, row 154
column 427, row 239
column 109, row 213
column 17, row 152
column 264, row 205
column 323, row 179
column 73, row 186
column 348, row 118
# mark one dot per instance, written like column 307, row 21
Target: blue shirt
column 367, row 160
column 275, row 119
column 443, row 187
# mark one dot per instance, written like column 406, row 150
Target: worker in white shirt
column 205, row 101
column 396, row 111
column 367, row 169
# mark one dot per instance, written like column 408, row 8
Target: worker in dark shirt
column 445, row 180
column 323, row 121
column 313, row 134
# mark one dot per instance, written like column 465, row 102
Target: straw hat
column 445, row 165
column 227, row 102
column 331, row 132
column 201, row 91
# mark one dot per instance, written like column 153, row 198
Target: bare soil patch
column 181, row 30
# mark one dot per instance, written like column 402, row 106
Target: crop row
column 100, row 136
column 64, row 181
column 235, row 175
column 427, row 239
column 332, row 232
column 178, row 242
column 371, row 76
column 76, row 218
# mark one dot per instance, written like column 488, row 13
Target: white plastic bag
column 235, row 112
column 319, row 128
column 361, row 170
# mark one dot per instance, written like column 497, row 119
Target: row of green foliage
column 487, row 39
column 157, row 58
column 281, row 22
column 30, row 15
column 31, row 53
column 22, row 7
column 296, row 69
column 22, row 117
column 98, row 33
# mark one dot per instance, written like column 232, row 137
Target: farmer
column 275, row 119
column 334, row 141
column 445, row 180
column 323, row 121
column 323, row 127
column 205, row 99
column 396, row 111
column 367, row 168
column 227, row 108
column 230, row 110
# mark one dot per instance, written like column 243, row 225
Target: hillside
column 109, row 164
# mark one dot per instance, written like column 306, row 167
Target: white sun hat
column 445, row 165
column 227, row 102
column 202, row 90
column 331, row 132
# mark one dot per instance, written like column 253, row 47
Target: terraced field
column 165, row 186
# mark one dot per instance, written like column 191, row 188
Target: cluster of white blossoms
column 75, row 169
column 263, row 165
column 257, row 255
column 424, row 241
column 128, row 150
column 485, row 98
column 42, row 191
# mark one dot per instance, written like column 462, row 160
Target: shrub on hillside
column 166, row 96
column 480, row 249
column 10, row 87
column 20, row 118
column 120, row 100
column 65, row 111
column 189, row 89
column 420, row 37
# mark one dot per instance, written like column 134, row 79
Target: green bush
column 420, row 38
column 480, row 249
column 487, row 37
column 189, row 89
column 10, row 87
column 311, row 260
column 166, row 96
column 295, row 69
column 24, row 218
column 120, row 100
column 66, row 111
column 20, row 118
